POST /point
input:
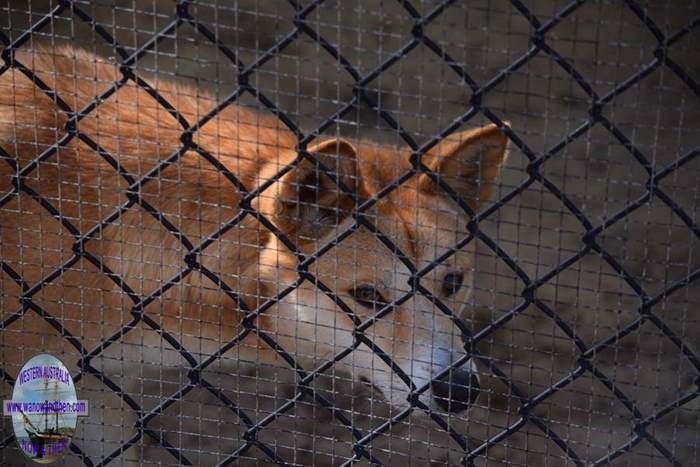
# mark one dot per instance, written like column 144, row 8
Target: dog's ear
column 308, row 202
column 469, row 162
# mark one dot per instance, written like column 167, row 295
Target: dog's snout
column 457, row 390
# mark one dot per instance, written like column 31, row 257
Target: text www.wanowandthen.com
column 78, row 407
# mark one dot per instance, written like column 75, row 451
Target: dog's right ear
column 306, row 202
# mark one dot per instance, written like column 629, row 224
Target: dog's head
column 354, row 291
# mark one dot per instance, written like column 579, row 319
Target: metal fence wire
column 582, row 323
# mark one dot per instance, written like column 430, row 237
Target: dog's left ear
column 469, row 162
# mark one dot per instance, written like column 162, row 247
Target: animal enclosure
column 578, row 314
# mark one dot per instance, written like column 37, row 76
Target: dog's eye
column 452, row 282
column 367, row 296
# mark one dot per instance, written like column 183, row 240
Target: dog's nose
column 457, row 390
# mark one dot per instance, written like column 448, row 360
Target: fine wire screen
column 366, row 232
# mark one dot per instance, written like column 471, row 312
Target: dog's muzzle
column 457, row 390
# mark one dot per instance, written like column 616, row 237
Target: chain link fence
column 582, row 321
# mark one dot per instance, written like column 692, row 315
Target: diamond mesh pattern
column 418, row 35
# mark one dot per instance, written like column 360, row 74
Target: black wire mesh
column 585, row 357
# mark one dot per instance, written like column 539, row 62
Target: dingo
column 135, row 262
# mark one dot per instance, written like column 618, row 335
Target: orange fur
column 138, row 132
